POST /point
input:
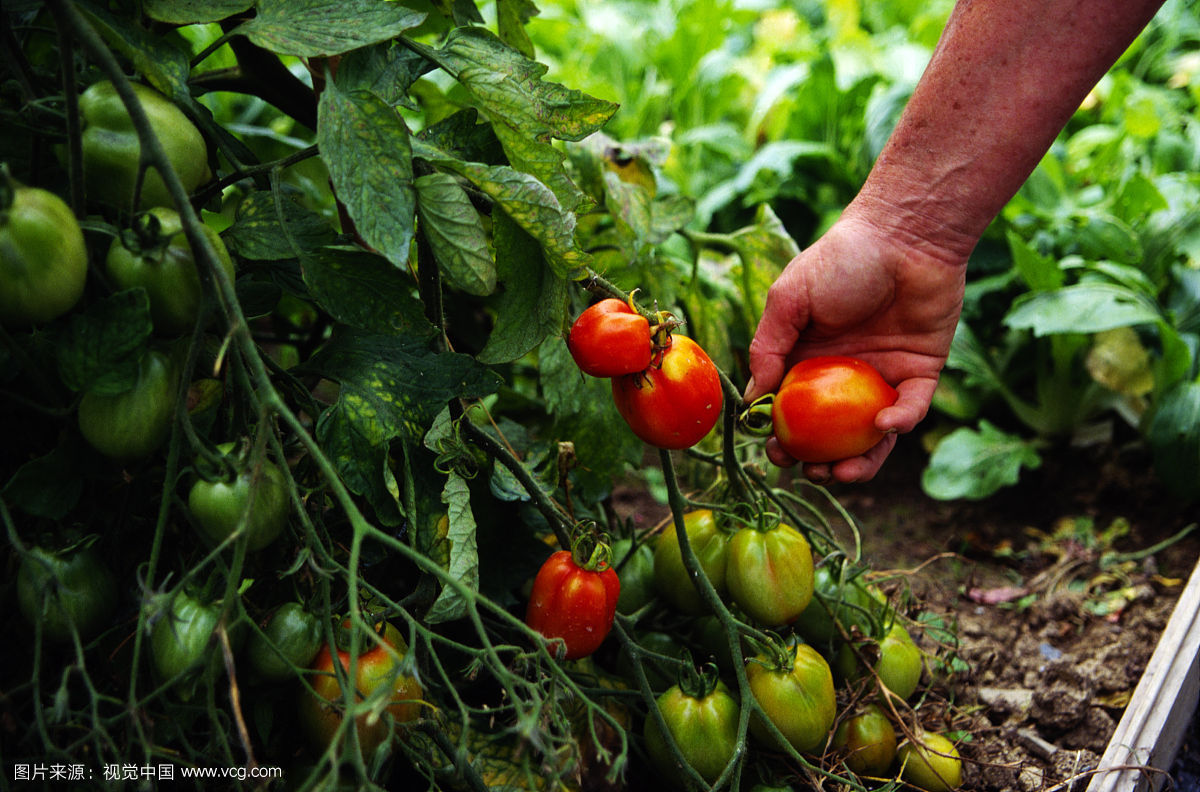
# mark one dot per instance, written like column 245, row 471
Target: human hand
column 867, row 292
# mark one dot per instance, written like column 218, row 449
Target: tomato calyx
column 590, row 549
column 771, row 651
column 756, row 420
column 698, row 682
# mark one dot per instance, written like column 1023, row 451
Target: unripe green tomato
column 111, row 148
column 133, row 424
column 711, row 547
column 770, row 573
column 898, row 667
column 635, row 567
column 849, row 601
column 166, row 269
column 869, row 740
column 799, row 699
column 218, row 506
column 43, row 259
column 66, row 591
column 290, row 639
column 181, row 643
column 704, row 728
column 931, row 763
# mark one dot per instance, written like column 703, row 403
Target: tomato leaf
column 365, row 145
column 973, row 464
column 455, row 232
column 311, row 28
column 365, row 291
column 100, row 349
column 161, row 59
column 534, row 300
column 511, row 17
column 1081, row 308
column 189, row 12
column 263, row 231
column 464, row 553
column 48, row 486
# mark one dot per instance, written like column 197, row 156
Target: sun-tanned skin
column 885, row 282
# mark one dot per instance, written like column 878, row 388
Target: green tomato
column 290, row 639
column 930, row 762
column 846, row 601
column 797, row 698
column 111, row 149
column 163, row 264
column 635, row 567
column 219, row 506
column 898, row 666
column 770, row 573
column 68, row 591
column 182, row 645
column 704, row 727
column 43, row 260
column 710, row 544
column 869, row 740
column 133, row 424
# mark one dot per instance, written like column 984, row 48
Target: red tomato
column 826, row 406
column 610, row 339
column 675, row 402
column 573, row 603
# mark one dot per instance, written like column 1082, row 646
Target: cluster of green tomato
column 71, row 591
column 766, row 572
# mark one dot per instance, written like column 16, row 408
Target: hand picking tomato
column 710, row 543
column 610, row 339
column 68, row 591
column 930, row 762
column 796, row 693
column 158, row 258
column 703, row 723
column 674, row 403
column 377, row 668
column 575, row 601
column 219, row 505
column 869, row 740
column 43, row 260
column 770, row 574
column 826, row 406
column 112, row 151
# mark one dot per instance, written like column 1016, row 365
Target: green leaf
column 100, row 349
column 188, row 12
column 161, row 59
column 364, row 291
column 48, row 486
column 1081, row 308
column 464, row 552
column 455, row 232
column 525, row 200
column 311, row 28
column 365, row 145
column 1040, row 273
column 511, row 18
column 1174, row 437
column 392, row 388
column 385, row 69
column 533, row 303
column 765, row 248
column 264, row 231
column 974, row 464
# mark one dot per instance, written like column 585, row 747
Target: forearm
column 1005, row 78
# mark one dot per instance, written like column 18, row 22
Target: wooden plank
column 1164, row 702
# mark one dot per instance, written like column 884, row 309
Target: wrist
column 908, row 213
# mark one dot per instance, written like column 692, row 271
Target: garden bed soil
column 1054, row 633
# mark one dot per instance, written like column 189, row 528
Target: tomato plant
column 183, row 642
column 156, row 256
column 112, row 151
column 930, row 761
column 794, row 686
column 826, row 406
column 575, row 600
column 770, row 573
column 256, row 495
column 702, row 721
column 43, row 260
column 134, row 423
column 68, row 591
column 710, row 542
column 676, row 402
column 378, row 675
column 610, row 339
column 869, row 741
column 289, row 640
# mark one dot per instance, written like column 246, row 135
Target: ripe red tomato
column 610, row 339
column 674, row 403
column 826, row 406
column 573, row 603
